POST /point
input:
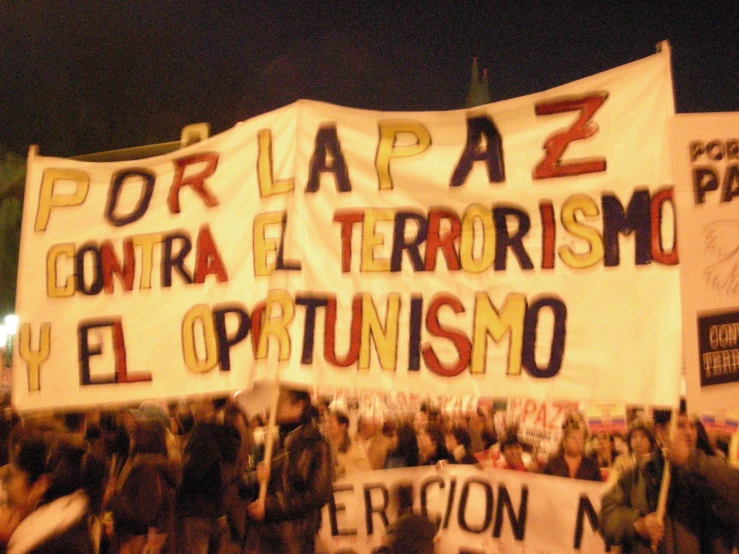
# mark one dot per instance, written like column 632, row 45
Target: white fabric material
column 455, row 496
column 471, row 308
column 705, row 167
column 48, row 521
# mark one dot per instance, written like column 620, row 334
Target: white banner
column 477, row 511
column 706, row 167
column 519, row 249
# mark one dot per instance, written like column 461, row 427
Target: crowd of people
column 188, row 478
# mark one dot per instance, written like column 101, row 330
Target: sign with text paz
column 524, row 248
column 706, row 167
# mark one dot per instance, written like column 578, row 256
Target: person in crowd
column 405, row 452
column 620, row 444
column 142, row 498
column 54, row 493
column 349, row 457
column 154, row 411
column 570, row 460
column 410, row 533
column 604, row 453
column 476, row 428
column 211, row 449
column 642, row 442
column 237, row 421
column 421, row 420
column 702, row 510
column 373, row 441
column 432, row 446
column 488, row 435
column 512, row 453
column 298, row 482
column 457, row 441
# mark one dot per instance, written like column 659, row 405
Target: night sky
column 87, row 76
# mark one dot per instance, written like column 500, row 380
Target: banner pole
column 665, row 485
column 269, row 439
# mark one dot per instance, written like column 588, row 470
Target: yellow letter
column 388, row 149
column 55, row 252
column 34, row 358
column 276, row 325
column 146, row 242
column 483, row 214
column 199, row 313
column 371, row 238
column 263, row 246
column 47, row 198
column 267, row 185
column 386, row 336
column 581, row 203
column 489, row 322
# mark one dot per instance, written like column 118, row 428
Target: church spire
column 478, row 93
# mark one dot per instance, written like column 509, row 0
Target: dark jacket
column 145, row 497
column 702, row 513
column 210, row 451
column 588, row 470
column 300, row 484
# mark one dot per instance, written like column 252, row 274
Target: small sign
column 718, row 336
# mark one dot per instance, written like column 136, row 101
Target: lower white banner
column 477, row 511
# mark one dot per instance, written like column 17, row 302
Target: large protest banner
column 524, row 248
column 475, row 511
column 706, row 167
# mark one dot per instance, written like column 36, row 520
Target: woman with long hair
column 405, row 452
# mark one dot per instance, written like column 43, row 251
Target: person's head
column 431, row 444
column 573, row 438
column 72, row 466
column 292, row 406
column 457, row 436
column 640, row 437
column 28, row 479
column 604, row 444
column 420, row 421
column 368, row 426
column 149, row 438
column 686, row 429
column 337, row 426
column 512, row 450
column 407, row 445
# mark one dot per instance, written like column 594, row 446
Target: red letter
column 658, row 249
column 347, row 218
column 197, row 181
column 582, row 128
column 458, row 338
column 329, row 336
column 435, row 241
column 111, row 265
column 207, row 259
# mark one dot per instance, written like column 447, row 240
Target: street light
column 9, row 330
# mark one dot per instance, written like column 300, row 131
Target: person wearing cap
column 702, row 510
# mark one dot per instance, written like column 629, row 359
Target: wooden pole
column 665, row 485
column 269, row 438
